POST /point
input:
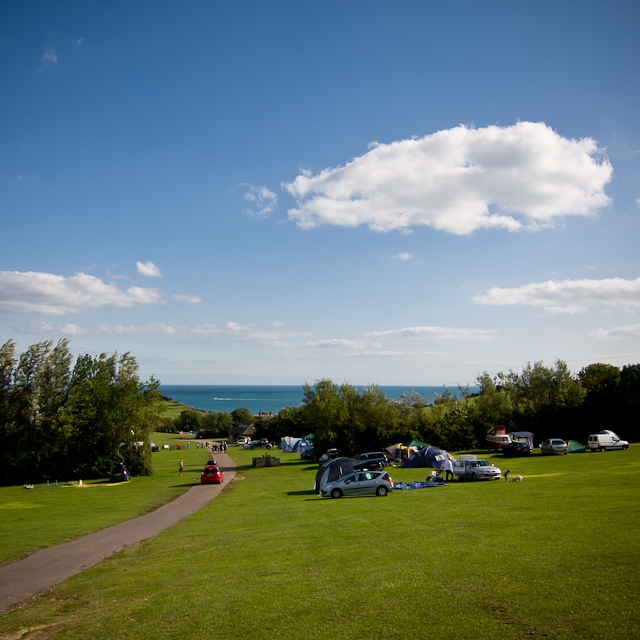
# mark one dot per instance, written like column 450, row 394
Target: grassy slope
column 556, row 556
column 74, row 511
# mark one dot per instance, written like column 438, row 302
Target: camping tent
column 575, row 447
column 332, row 470
column 398, row 452
column 522, row 436
column 287, row 443
column 302, row 445
column 415, row 443
column 430, row 457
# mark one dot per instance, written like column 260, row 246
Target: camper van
column 497, row 438
column 603, row 440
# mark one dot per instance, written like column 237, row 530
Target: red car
column 211, row 474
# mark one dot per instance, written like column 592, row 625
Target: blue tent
column 302, row 445
column 430, row 457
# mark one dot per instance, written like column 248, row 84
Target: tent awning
column 415, row 443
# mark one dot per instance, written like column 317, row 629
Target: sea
column 270, row 398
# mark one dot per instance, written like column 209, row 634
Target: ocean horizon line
column 263, row 398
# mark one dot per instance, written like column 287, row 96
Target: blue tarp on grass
column 417, row 485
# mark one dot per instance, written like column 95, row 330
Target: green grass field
column 43, row 517
column 555, row 556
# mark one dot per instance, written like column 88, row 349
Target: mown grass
column 42, row 517
column 173, row 409
column 555, row 556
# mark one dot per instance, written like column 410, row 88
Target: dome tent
column 430, row 457
column 332, row 470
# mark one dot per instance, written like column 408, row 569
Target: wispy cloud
column 437, row 333
column 233, row 330
column 50, row 56
column 459, row 180
column 261, row 199
column 189, row 298
column 405, row 255
column 148, row 269
column 631, row 331
column 341, row 342
column 568, row 296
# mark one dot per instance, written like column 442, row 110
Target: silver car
column 360, row 483
column 476, row 470
column 553, row 445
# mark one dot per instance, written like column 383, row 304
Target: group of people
column 216, row 447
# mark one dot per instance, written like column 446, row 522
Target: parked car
column 211, row 474
column 307, row 454
column 603, row 440
column 242, row 440
column 514, row 449
column 154, row 447
column 329, row 455
column 476, row 470
column 119, row 473
column 374, row 460
column 553, row 445
column 257, row 444
column 360, row 483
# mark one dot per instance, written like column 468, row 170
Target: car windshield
column 480, row 463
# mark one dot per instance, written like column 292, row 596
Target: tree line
column 59, row 422
column 547, row 401
column 208, row 424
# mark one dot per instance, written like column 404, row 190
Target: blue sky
column 278, row 192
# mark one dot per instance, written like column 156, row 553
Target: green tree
column 39, row 419
column 241, row 416
column 602, row 405
column 113, row 415
column 629, row 399
column 188, row 420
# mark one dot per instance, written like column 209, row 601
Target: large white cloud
column 35, row 292
column 568, row 296
column 459, row 180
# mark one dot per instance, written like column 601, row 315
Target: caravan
column 497, row 438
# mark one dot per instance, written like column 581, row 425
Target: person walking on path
column 181, row 467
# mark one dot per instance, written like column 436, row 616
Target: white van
column 606, row 439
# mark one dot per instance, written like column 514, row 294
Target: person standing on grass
column 448, row 470
column 506, row 474
column 181, row 467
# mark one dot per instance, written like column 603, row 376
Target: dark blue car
column 119, row 473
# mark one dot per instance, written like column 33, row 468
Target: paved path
column 44, row 569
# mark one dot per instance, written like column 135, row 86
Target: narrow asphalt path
column 44, row 569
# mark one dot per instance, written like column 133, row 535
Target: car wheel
column 626, row 446
column 336, row 493
column 474, row 477
column 382, row 491
column 251, row 448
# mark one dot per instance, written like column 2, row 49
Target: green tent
column 415, row 443
column 575, row 447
